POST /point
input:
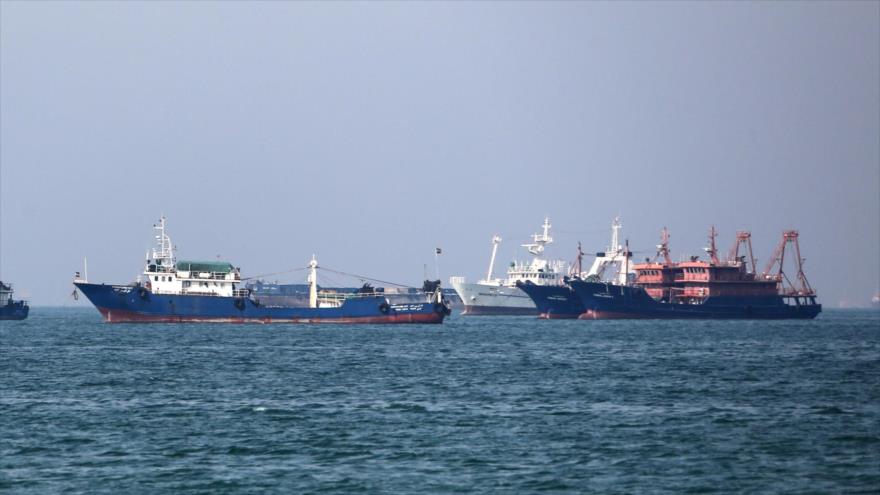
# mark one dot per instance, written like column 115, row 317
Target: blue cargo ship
column 133, row 303
column 10, row 309
column 208, row 291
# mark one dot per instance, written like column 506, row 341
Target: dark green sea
column 479, row 404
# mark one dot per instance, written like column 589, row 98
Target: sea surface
column 478, row 404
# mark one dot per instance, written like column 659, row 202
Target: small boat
column 9, row 308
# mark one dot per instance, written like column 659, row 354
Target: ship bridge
column 205, row 269
column 166, row 275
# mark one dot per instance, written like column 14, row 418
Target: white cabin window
column 156, row 278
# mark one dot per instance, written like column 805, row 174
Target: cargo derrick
column 801, row 287
column 743, row 239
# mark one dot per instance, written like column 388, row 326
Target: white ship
column 496, row 296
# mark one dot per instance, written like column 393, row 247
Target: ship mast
column 615, row 235
column 579, row 263
column 711, row 249
column 663, row 247
column 611, row 256
column 539, row 241
column 496, row 240
column 623, row 268
column 313, row 283
column 164, row 255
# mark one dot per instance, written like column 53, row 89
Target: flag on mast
column 437, row 252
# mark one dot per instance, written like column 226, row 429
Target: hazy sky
column 370, row 133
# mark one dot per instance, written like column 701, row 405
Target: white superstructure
column 501, row 296
column 165, row 275
column 614, row 257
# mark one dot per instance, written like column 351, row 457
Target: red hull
column 117, row 316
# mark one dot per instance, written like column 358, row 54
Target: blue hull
column 553, row 301
column 129, row 304
column 604, row 301
column 16, row 310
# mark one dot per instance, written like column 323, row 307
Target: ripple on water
column 478, row 404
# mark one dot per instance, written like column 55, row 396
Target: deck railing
column 341, row 296
column 193, row 275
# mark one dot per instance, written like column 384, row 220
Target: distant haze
column 371, row 133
